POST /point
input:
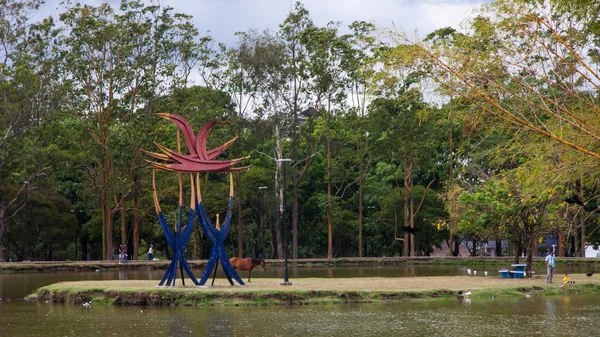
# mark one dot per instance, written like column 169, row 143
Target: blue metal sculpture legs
column 178, row 241
column 217, row 253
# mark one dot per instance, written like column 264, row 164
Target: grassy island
column 268, row 291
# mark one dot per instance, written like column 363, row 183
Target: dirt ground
column 346, row 284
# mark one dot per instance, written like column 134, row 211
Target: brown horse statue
column 247, row 264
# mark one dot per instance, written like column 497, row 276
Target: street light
column 262, row 241
column 286, row 281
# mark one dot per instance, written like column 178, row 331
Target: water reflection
column 536, row 315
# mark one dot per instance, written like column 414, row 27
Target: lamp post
column 262, row 240
column 284, row 221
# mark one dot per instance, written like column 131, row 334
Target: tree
column 404, row 127
column 116, row 63
column 537, row 76
column 29, row 94
column 521, row 213
column 359, row 62
column 324, row 49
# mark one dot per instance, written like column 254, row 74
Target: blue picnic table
column 518, row 272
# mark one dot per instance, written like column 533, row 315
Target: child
column 567, row 280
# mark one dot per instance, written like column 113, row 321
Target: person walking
column 150, row 254
column 549, row 267
column 122, row 254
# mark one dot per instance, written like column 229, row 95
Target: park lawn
column 269, row 291
column 426, row 283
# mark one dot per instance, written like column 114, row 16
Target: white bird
column 467, row 293
column 474, row 272
column 469, row 271
column 485, row 273
column 527, row 296
column 87, row 304
column 97, row 270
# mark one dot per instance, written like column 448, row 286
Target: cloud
column 222, row 18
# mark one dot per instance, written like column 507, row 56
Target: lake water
column 537, row 315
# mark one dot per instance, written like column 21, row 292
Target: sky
column 222, row 18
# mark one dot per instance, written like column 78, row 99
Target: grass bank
column 52, row 266
column 264, row 291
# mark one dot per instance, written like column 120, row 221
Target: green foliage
column 351, row 109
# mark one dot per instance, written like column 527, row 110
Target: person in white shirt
column 549, row 267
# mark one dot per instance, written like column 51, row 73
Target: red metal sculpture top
column 199, row 158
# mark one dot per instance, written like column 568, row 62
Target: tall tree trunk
column 279, row 193
column 406, row 219
column 360, row 209
column 109, row 238
column 2, row 229
column 517, row 252
column 137, row 220
column 531, row 245
column 582, row 219
column 123, row 227
column 451, row 165
column 294, row 129
column 240, row 234
column 104, row 225
column 412, row 217
column 456, row 249
column 498, row 247
column 329, row 211
column 582, row 223
column 295, row 218
column 575, row 246
column 561, row 246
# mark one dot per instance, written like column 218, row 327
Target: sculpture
column 198, row 160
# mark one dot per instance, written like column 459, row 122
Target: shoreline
column 305, row 291
column 53, row 266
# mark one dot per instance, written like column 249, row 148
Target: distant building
column 591, row 252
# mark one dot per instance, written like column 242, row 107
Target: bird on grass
column 463, row 294
column 469, row 271
column 589, row 274
column 485, row 273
